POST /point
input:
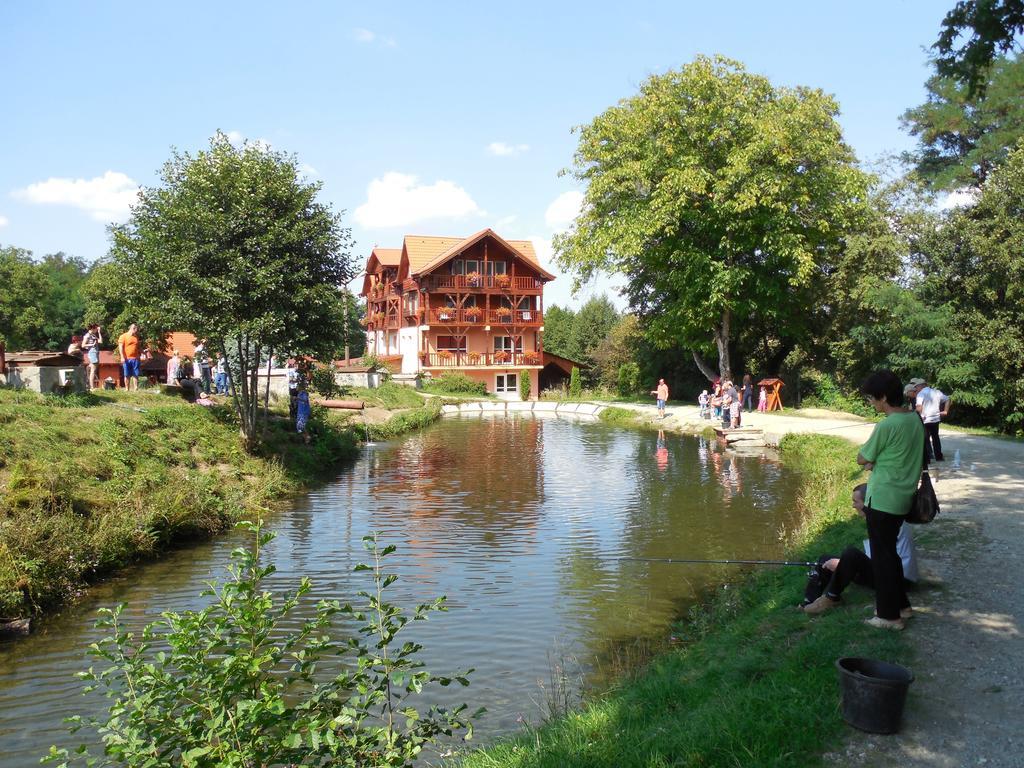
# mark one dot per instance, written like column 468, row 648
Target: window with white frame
column 496, row 268
column 508, row 344
column 506, row 382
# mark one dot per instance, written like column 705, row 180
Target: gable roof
column 431, row 252
column 388, row 257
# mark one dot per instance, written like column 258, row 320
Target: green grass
column 753, row 681
column 619, row 416
column 400, row 423
column 91, row 483
column 389, row 395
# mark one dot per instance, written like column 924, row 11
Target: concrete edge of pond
column 536, row 407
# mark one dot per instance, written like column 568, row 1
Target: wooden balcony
column 483, row 283
column 481, row 317
column 378, row 322
column 480, row 359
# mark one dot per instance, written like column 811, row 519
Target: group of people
column 209, row 374
column 129, row 347
column 897, row 452
column 727, row 403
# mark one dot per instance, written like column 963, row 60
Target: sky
column 418, row 118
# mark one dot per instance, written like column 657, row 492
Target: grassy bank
column 92, row 483
column 753, row 681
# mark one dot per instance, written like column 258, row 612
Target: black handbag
column 925, row 505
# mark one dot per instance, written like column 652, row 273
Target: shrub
column 629, row 379
column 827, row 394
column 321, row 380
column 524, row 385
column 575, row 385
column 459, row 384
column 237, row 683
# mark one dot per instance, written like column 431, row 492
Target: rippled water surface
column 518, row 521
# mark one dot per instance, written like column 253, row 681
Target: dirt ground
column 966, row 705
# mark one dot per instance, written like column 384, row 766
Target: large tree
column 719, row 197
column 964, row 135
column 234, row 247
column 23, row 287
column 973, row 34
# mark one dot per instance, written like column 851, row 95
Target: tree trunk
column 703, row 366
column 266, row 395
column 722, row 342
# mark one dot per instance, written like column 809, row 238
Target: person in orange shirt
column 662, row 394
column 129, row 348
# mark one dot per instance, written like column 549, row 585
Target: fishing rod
column 675, row 560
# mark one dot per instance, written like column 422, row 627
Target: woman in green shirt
column 894, row 454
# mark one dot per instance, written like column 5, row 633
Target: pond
column 521, row 522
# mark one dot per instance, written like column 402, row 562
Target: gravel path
column 966, row 705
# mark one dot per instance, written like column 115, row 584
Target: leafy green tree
column 719, row 197
column 628, row 383
column 964, row 135
column 901, row 332
column 63, row 304
column 244, row 683
column 590, row 327
column 621, row 345
column 559, row 332
column 524, row 385
column 974, row 264
column 973, row 34
column 575, row 384
column 24, row 284
column 234, row 247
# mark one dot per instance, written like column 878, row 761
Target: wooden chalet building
column 475, row 305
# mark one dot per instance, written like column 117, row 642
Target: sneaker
column 820, row 605
column 896, row 625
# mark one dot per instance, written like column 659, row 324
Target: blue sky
column 427, row 118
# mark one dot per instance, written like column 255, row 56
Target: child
column 762, row 400
column 302, row 411
column 702, row 401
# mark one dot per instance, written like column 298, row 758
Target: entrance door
column 506, row 386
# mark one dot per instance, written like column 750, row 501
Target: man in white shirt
column 933, row 405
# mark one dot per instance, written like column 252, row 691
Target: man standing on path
column 662, row 394
column 933, row 405
column 129, row 348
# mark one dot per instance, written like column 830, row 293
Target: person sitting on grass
column 833, row 574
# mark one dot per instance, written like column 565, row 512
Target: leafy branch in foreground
column 235, row 685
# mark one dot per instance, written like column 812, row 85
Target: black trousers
column 854, row 566
column 886, row 566
column 931, row 435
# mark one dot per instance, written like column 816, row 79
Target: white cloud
column 504, row 223
column 105, row 198
column 308, row 170
column 501, row 149
column 563, row 210
column 960, row 198
column 397, row 200
column 361, row 35
column 3, row 221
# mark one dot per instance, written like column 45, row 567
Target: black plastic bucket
column 874, row 693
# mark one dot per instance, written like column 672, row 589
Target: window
column 472, row 265
column 508, row 344
column 451, row 343
column 496, row 268
column 506, row 382
column 412, row 303
column 458, row 268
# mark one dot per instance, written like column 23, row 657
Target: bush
column 459, row 384
column 238, row 684
column 524, row 385
column 629, row 379
column 827, row 394
column 322, row 381
column 575, row 385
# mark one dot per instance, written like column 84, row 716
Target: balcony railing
column 480, row 316
column 500, row 282
column 384, row 321
column 478, row 359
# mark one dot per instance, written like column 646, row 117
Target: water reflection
column 518, row 521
